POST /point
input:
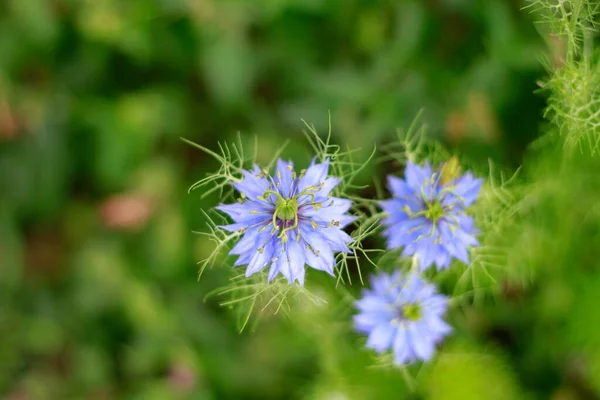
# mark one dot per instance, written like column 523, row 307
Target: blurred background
column 99, row 297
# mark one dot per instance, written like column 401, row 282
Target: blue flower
column 404, row 315
column 288, row 220
column 426, row 215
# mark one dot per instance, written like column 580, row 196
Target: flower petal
column 381, row 337
column 417, row 176
column 403, row 353
column 261, row 258
column 284, row 173
column 317, row 252
column 337, row 239
column 252, row 186
column 291, row 261
column 398, row 187
column 467, row 189
column 314, row 175
column 328, row 185
column 420, row 341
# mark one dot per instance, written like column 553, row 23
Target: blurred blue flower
column 402, row 314
column 426, row 215
column 288, row 221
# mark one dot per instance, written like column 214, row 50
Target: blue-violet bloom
column 404, row 315
column 426, row 215
column 288, row 220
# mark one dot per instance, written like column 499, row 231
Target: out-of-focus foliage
column 98, row 291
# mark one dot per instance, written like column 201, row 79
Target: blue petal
column 396, row 239
column 402, row 350
column 291, row 262
column 243, row 259
column 248, row 242
column 417, row 176
column 436, row 303
column 252, row 240
column 246, row 212
column 398, row 187
column 453, row 243
column 336, row 238
column 372, row 303
column 466, row 223
column 366, row 322
column 320, row 257
column 382, row 283
column 395, row 210
column 427, row 252
column 323, row 194
column 406, row 232
column 252, row 186
column 345, row 220
column 467, row 188
column 437, row 325
column 332, row 210
column 411, row 288
column 260, row 259
column 274, row 269
column 381, row 337
column 233, row 227
column 284, row 177
column 314, row 175
column 412, row 339
column 443, row 259
column 408, row 225
column 421, row 343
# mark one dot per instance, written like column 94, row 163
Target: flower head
column 426, row 215
column 288, row 220
column 402, row 314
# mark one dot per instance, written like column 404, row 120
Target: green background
column 99, row 297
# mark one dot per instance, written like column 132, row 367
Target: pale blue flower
column 426, row 216
column 288, row 220
column 404, row 315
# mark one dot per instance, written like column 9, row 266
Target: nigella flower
column 426, row 215
column 404, row 315
column 288, row 221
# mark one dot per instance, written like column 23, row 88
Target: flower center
column 286, row 209
column 434, row 211
column 411, row 311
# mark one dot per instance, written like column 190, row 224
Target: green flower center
column 286, row 209
column 411, row 311
column 434, row 211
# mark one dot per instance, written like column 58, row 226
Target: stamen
column 284, row 231
column 305, row 193
column 411, row 311
column 264, row 227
